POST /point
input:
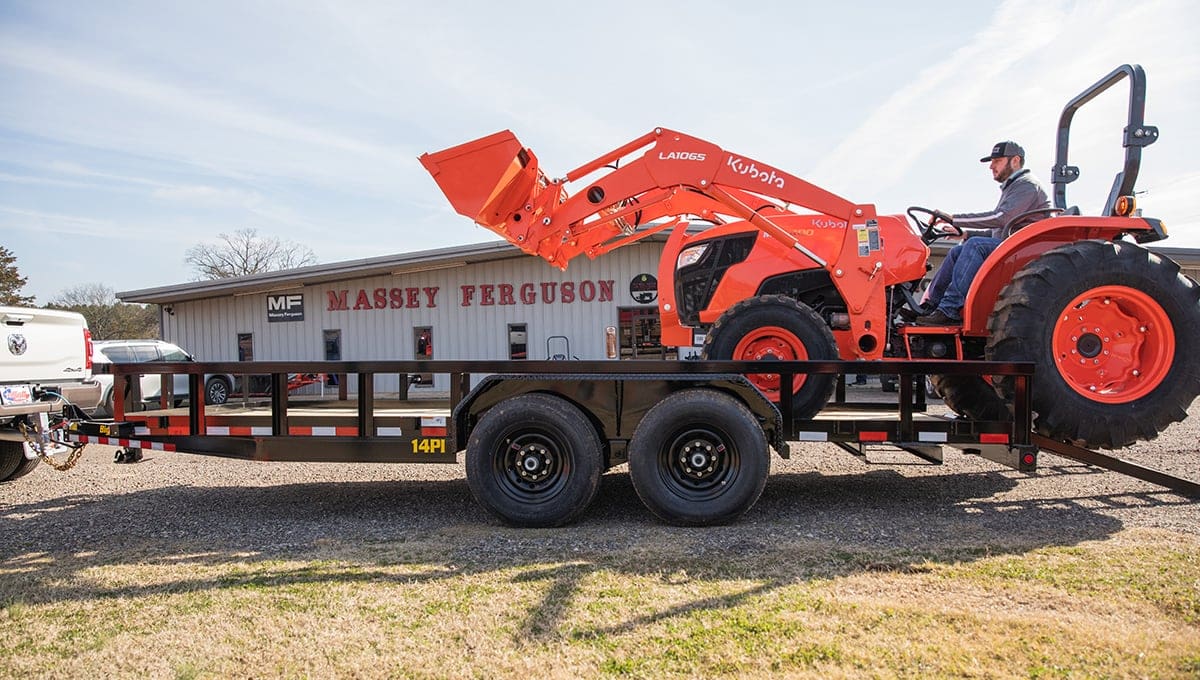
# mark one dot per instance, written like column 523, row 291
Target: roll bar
column 1137, row 135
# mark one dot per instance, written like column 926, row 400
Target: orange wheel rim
column 771, row 343
column 1113, row 344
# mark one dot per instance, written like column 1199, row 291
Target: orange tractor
column 765, row 266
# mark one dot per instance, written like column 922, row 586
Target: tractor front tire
column 1114, row 332
column 777, row 328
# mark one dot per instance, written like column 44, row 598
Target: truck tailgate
column 42, row 345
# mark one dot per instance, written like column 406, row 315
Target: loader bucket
column 488, row 180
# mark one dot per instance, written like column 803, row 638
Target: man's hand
column 939, row 216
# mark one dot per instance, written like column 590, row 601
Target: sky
column 130, row 131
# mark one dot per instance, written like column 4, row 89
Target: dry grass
column 1128, row 606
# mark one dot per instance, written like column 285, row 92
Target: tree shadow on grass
column 806, row 526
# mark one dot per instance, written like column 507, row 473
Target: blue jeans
column 970, row 257
column 941, row 279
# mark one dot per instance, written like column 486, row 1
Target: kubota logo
column 681, row 156
column 766, row 176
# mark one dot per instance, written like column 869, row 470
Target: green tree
column 108, row 318
column 11, row 281
column 244, row 252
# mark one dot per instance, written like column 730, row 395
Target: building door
column 640, row 334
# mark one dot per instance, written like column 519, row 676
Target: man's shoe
column 909, row 315
column 938, row 318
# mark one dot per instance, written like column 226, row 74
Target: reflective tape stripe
column 388, row 432
column 993, row 439
column 872, row 436
column 931, row 437
column 125, row 443
column 812, row 436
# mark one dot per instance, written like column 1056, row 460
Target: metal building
column 485, row 301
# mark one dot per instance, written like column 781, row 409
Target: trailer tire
column 970, row 396
column 534, row 460
column 776, row 327
column 699, row 457
column 1113, row 331
column 13, row 463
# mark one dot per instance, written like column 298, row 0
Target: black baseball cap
column 1004, row 150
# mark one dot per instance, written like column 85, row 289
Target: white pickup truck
column 45, row 363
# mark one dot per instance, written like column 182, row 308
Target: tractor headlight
column 690, row 256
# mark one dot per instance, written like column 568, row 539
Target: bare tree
column 245, row 252
column 108, row 318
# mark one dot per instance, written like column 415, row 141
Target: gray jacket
column 1018, row 194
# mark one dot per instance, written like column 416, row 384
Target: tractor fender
column 1030, row 243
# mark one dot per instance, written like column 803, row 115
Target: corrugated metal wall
column 209, row 328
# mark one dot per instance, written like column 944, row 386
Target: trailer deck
column 361, row 427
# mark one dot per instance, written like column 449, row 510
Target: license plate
column 16, row 394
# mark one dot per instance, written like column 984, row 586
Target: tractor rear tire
column 13, row 463
column 1114, row 332
column 776, row 327
column 699, row 457
column 534, row 460
column 970, row 396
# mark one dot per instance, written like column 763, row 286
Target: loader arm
column 496, row 182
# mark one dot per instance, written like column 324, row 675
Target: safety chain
column 36, row 447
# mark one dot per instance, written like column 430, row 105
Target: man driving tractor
column 1021, row 196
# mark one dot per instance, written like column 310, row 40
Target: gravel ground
column 174, row 502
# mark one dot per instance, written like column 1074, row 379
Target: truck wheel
column 970, row 396
column 216, row 391
column 534, row 461
column 13, row 463
column 777, row 328
column 699, row 457
column 1113, row 331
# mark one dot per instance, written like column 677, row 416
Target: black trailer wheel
column 777, row 328
column 535, row 461
column 970, row 396
column 699, row 457
column 1113, row 331
column 13, row 463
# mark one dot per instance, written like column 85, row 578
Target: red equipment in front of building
column 786, row 270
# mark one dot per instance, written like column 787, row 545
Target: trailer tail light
column 87, row 350
column 1125, row 206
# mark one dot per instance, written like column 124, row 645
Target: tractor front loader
column 763, row 265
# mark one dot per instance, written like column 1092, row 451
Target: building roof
column 402, row 263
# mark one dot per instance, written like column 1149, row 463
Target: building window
column 333, row 344
column 245, row 346
column 422, row 351
column 518, row 341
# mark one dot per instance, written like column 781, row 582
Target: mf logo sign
column 285, row 307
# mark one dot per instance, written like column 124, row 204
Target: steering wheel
column 932, row 229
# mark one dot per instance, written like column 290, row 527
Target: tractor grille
column 696, row 284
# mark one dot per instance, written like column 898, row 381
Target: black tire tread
column 588, row 463
column 710, row 407
column 1027, row 309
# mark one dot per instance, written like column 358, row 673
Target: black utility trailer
column 538, row 434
